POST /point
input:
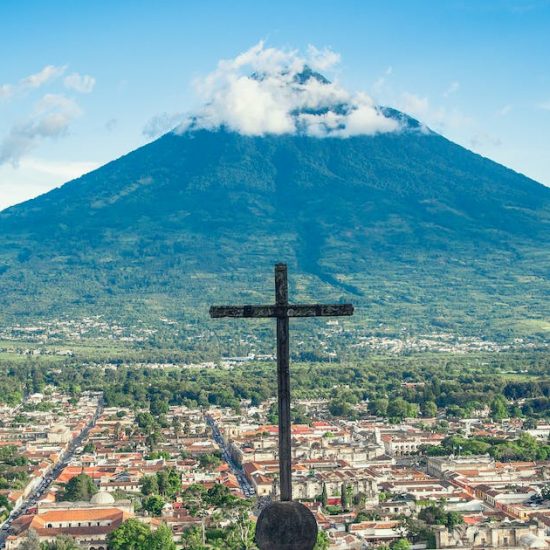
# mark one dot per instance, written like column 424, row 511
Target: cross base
column 286, row 525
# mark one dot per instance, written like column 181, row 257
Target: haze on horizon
column 116, row 77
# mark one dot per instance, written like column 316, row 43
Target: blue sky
column 80, row 81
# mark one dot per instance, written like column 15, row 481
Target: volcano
column 417, row 231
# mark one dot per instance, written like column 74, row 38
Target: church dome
column 102, row 498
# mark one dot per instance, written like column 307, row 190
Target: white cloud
column 504, row 110
column 82, row 83
column 415, row 105
column 365, row 118
column 62, row 170
column 379, row 85
column 321, row 60
column 51, row 102
column 274, row 91
column 162, row 123
column 35, row 176
column 482, row 141
column 6, row 91
column 48, row 73
column 437, row 118
column 453, row 88
column 31, row 82
column 51, row 118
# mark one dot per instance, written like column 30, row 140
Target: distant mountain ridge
column 418, row 231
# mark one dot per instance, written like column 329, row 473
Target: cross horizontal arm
column 242, row 311
column 292, row 310
column 319, row 310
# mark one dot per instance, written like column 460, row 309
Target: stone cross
column 283, row 311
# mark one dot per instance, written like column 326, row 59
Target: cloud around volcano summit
column 275, row 91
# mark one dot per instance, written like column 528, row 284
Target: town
column 274, row 275
column 75, row 469
column 331, row 340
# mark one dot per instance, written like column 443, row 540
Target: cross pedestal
column 286, row 524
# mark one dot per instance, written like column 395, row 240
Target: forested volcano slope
column 417, row 231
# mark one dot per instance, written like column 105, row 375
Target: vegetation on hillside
column 416, row 231
column 505, row 385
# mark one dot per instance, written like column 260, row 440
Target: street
column 64, row 460
column 247, row 489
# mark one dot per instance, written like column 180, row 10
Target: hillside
column 417, row 231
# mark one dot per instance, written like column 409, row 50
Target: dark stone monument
column 285, row 525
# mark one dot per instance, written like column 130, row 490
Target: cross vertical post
column 282, row 311
column 283, row 383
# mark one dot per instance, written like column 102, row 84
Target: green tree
column 158, row 407
column 433, row 515
column 413, row 410
column 192, row 539
column 401, row 544
column 5, row 503
column 429, row 409
column 169, row 482
column 219, row 495
column 31, row 542
column 417, row 531
column 209, row 461
column 323, row 542
column 155, row 455
column 499, row 408
column 379, row 407
column 89, row 448
column 149, row 485
column 131, row 535
column 145, row 421
column 162, row 539
column 80, row 487
column 154, row 504
column 10, row 456
column 456, row 411
column 61, row 543
column 324, row 495
column 453, row 519
column 398, row 408
column 195, row 501
column 367, row 515
column 194, row 498
column 340, row 407
column 436, row 515
column 152, row 439
column 344, row 497
column 240, row 534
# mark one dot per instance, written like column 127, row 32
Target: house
column 377, row 532
column 505, row 534
column 89, row 523
column 409, row 443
